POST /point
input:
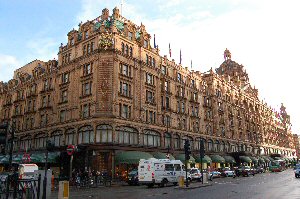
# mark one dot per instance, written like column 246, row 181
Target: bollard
column 181, row 181
column 63, row 191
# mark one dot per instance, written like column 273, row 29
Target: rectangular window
column 182, row 107
column 164, row 70
column 130, row 35
column 167, row 86
column 64, row 96
column 65, row 78
column 44, row 101
column 72, row 41
column 62, row 116
column 46, row 85
column 150, row 96
column 86, row 34
column 145, row 44
column 167, row 102
column 125, row 70
column 85, row 110
column 125, row 89
column 179, row 78
column 149, row 78
column 87, row 69
column 87, row 88
column 125, row 113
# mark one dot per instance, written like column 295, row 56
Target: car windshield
column 194, row 171
column 226, row 169
column 133, row 172
column 247, row 167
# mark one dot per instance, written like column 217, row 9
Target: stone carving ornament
column 106, row 40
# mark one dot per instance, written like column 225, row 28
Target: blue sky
column 263, row 35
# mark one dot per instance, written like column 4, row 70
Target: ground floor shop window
column 127, row 135
column 104, row 133
column 86, row 135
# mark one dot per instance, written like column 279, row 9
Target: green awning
column 206, row 159
column 217, row 159
column 229, row 159
column 160, row 155
column 17, row 158
column 261, row 160
column 254, row 159
column 266, row 158
column 131, row 157
column 4, row 159
column 181, row 157
column 271, row 159
column 245, row 159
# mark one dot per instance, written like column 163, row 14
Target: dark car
column 247, row 171
column 260, row 169
column 133, row 178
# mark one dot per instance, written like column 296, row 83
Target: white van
column 26, row 171
column 160, row 171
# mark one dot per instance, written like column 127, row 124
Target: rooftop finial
column 227, row 54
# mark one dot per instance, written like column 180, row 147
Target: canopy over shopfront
column 34, row 158
column 217, row 159
column 131, row 157
column 206, row 159
column 266, row 158
column 181, row 157
column 229, row 159
column 245, row 159
column 254, row 160
column 160, row 155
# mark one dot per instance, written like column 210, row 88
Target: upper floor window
column 125, row 89
column 125, row 70
column 72, row 41
column 153, row 62
column 87, row 69
column 123, row 47
column 130, row 35
column 164, row 70
column 150, row 96
column 193, row 83
column 124, row 111
column 65, row 78
column 86, row 34
column 64, row 96
column 62, row 116
column 167, row 87
column 126, row 49
column 130, row 51
column 145, row 44
column 46, row 84
column 179, row 77
column 149, row 78
column 150, row 116
column 86, row 110
column 87, row 89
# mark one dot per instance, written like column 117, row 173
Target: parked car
column 133, row 177
column 297, row 171
column 247, row 171
column 227, row 172
column 195, row 174
column 260, row 169
column 215, row 174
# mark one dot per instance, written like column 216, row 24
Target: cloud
column 42, row 48
column 8, row 64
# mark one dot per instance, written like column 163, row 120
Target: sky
column 262, row 35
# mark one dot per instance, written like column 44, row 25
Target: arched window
column 151, row 138
column 222, row 146
column 40, row 141
column 176, row 142
column 167, row 140
column 70, row 137
column 123, row 47
column 209, row 145
column 127, row 135
column 130, row 51
column 25, row 143
column 57, row 138
column 104, row 133
column 86, row 135
column 208, row 130
column 190, row 139
column 126, row 49
column 217, row 146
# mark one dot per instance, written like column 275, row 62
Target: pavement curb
column 194, row 187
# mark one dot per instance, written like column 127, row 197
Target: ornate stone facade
column 110, row 90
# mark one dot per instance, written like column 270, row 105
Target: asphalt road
column 281, row 185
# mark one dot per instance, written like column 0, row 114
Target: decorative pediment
column 23, row 77
column 12, row 83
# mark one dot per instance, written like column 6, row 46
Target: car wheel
column 163, row 182
column 175, row 183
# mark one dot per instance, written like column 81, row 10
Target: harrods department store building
column 111, row 92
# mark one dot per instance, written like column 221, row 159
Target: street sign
column 70, row 149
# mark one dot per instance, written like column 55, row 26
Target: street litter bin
column 63, row 191
column 181, row 181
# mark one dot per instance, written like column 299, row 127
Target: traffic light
column 202, row 149
column 3, row 137
column 187, row 149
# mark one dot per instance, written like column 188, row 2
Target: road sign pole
column 70, row 171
